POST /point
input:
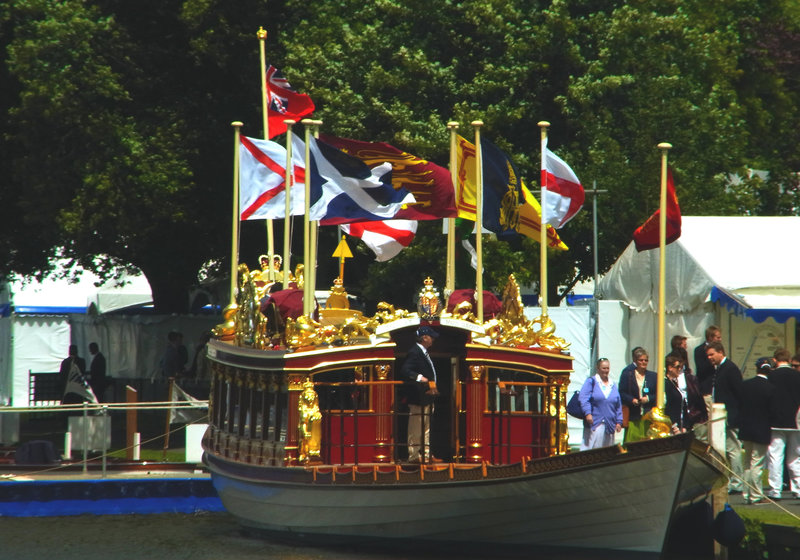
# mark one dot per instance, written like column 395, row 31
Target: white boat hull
column 599, row 500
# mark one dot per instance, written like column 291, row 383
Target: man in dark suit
column 703, row 369
column 754, row 429
column 97, row 371
column 727, row 389
column 419, row 375
column 73, row 374
column 784, row 443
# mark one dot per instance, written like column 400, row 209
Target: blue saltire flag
column 345, row 190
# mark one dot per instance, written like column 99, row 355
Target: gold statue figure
column 310, row 424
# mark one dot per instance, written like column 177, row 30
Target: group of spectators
column 763, row 413
column 81, row 384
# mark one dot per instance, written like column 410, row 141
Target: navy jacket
column 416, row 363
column 703, row 369
column 754, row 414
column 786, row 398
column 684, row 413
column 728, row 390
column 629, row 390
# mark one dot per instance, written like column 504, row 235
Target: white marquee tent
column 732, row 271
column 39, row 320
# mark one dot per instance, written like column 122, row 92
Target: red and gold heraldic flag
column 429, row 183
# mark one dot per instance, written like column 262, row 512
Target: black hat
column 763, row 364
column 425, row 330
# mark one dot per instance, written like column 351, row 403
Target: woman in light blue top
column 602, row 407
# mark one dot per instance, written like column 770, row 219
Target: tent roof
column 62, row 296
column 739, row 261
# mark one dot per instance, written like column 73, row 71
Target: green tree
column 117, row 137
column 614, row 78
column 118, row 140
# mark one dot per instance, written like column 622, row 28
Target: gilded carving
column 297, row 381
column 477, row 373
column 383, row 372
column 429, row 304
column 660, row 425
column 310, row 424
column 511, row 328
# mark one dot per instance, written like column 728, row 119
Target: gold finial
column 261, row 34
column 307, row 122
column 476, row 123
column 665, row 146
column 289, row 122
column 237, row 124
column 543, row 124
column 452, row 124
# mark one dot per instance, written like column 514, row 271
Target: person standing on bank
column 97, row 371
column 73, row 375
column 704, row 369
column 727, row 389
column 754, row 431
column 637, row 388
column 683, row 402
column 602, row 408
column 784, row 445
column 418, row 372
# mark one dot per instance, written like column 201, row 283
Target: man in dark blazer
column 419, row 375
column 728, row 391
column 97, row 371
column 703, row 369
column 754, row 429
column 69, row 396
column 784, row 441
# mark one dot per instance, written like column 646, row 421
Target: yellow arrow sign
column 342, row 250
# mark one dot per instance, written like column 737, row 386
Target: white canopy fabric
column 58, row 295
column 742, row 262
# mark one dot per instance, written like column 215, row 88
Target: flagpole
column 262, row 37
column 306, row 223
column 235, row 233
column 543, row 229
column 311, row 274
column 478, row 220
column 662, row 267
column 287, row 219
column 450, row 282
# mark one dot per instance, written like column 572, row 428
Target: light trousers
column 754, row 455
column 419, row 431
column 785, row 445
column 733, row 452
column 597, row 437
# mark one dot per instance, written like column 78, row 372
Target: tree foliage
column 116, row 137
